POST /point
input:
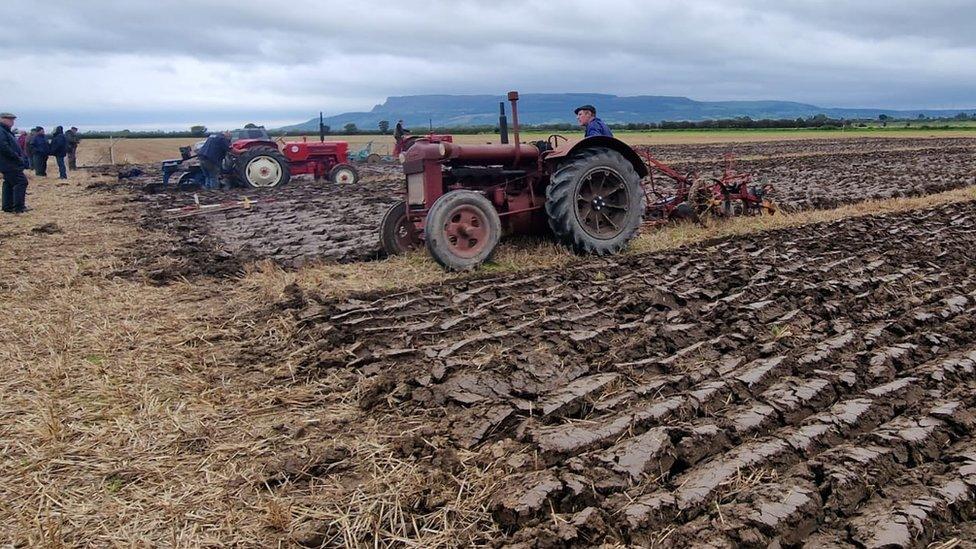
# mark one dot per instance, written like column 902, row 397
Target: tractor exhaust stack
column 502, row 123
column 513, row 97
column 321, row 128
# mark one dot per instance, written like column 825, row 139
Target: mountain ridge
column 446, row 111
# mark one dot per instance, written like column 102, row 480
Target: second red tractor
column 255, row 160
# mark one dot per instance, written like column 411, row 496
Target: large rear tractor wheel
column 398, row 235
column 462, row 230
column 344, row 174
column 594, row 202
column 262, row 167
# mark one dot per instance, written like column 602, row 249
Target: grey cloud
column 304, row 56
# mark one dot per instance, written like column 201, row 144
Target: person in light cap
column 12, row 163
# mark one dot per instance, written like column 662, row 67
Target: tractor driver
column 399, row 132
column 211, row 155
column 586, row 116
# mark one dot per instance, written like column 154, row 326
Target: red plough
column 733, row 194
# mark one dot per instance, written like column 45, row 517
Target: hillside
column 552, row 108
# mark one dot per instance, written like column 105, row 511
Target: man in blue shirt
column 211, row 155
column 586, row 115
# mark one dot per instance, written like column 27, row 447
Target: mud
column 715, row 152
column 818, row 394
column 307, row 221
column 303, row 221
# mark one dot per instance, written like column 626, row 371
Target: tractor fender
column 600, row 141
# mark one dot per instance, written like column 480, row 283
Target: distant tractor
column 255, row 160
column 460, row 198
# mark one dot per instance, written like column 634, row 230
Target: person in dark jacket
column 399, row 133
column 586, row 116
column 58, row 148
column 211, row 155
column 29, row 149
column 13, row 193
column 39, row 148
column 22, row 143
column 73, row 140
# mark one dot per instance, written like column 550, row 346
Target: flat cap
column 7, row 115
column 590, row 108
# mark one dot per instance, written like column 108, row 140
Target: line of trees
column 820, row 121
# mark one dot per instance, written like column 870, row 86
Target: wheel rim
column 404, row 233
column 602, row 203
column 466, row 231
column 263, row 171
column 344, row 176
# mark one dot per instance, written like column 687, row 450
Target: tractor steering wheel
column 553, row 140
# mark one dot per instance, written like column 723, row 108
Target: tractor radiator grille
column 415, row 189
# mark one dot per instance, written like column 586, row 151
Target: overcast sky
column 138, row 64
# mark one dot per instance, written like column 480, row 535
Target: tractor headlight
column 402, row 158
column 441, row 150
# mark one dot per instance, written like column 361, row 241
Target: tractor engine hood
column 472, row 154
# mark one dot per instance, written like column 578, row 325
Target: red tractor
column 322, row 159
column 254, row 160
column 460, row 198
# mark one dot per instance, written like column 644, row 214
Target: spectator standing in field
column 30, row 149
column 22, row 143
column 39, row 148
column 12, row 163
column 586, row 116
column 58, row 149
column 73, row 140
column 211, row 155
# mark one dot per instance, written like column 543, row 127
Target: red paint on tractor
column 316, row 158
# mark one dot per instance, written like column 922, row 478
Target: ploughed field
column 307, row 220
column 756, row 149
column 808, row 387
column 830, row 179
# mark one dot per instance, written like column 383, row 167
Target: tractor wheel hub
column 263, row 171
column 599, row 203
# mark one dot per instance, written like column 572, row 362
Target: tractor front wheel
column 344, row 174
column 594, row 202
column 462, row 230
column 398, row 234
column 262, row 167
